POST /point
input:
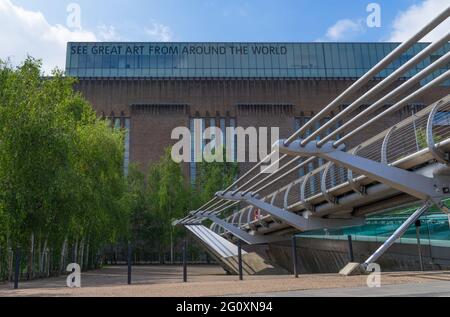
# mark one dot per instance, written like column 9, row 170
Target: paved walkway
column 165, row 281
column 432, row 289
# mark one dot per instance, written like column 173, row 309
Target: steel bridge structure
column 407, row 163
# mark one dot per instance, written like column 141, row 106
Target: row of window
column 237, row 73
column 304, row 60
column 442, row 118
column 202, row 124
column 123, row 123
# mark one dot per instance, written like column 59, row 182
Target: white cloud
column 25, row 32
column 159, row 32
column 107, row 33
column 417, row 16
column 344, row 30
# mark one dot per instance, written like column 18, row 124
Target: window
column 442, row 119
column 126, row 163
column 281, row 60
column 228, row 141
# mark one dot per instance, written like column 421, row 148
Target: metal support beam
column 356, row 186
column 397, row 234
column 241, row 271
column 419, row 247
column 369, row 75
column 129, row 262
column 185, row 261
column 294, row 220
column 309, row 208
column 323, row 185
column 17, row 269
column 416, row 185
column 384, row 147
column 244, row 235
column 294, row 255
column 350, row 249
column 286, row 196
column 439, row 155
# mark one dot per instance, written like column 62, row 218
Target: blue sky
column 220, row 20
column 39, row 27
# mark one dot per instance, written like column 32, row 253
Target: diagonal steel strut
column 292, row 219
column 416, row 185
column 397, row 234
column 244, row 235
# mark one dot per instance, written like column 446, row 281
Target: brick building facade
column 151, row 104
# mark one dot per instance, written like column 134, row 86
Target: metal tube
column 371, row 73
column 240, row 179
column 129, row 262
column 405, row 86
column 437, row 81
column 259, row 174
column 222, row 207
column 294, row 255
column 397, row 234
column 207, row 204
column 185, row 261
column 418, row 225
column 379, row 87
column 350, row 249
column 309, row 160
column 221, row 203
column 241, row 274
column 250, row 171
column 17, row 269
column 355, row 87
column 347, row 199
column 215, row 204
column 225, row 208
column 200, row 217
column 295, row 160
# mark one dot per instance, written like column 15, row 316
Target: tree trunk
column 75, row 252
column 171, row 246
column 10, row 256
column 86, row 262
column 31, row 258
column 49, row 262
column 42, row 259
column 81, row 253
column 39, row 255
column 61, row 259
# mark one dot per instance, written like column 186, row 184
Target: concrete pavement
column 431, row 289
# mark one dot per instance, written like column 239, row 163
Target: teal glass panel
column 234, row 60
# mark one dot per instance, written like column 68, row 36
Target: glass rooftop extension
column 236, row 60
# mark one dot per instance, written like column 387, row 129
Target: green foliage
column 157, row 201
column 62, row 188
column 421, row 135
column 61, row 175
column 213, row 177
column 166, row 195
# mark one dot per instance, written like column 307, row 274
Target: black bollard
column 241, row 274
column 350, row 249
column 418, row 225
column 185, row 261
column 294, row 255
column 17, row 269
column 129, row 262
